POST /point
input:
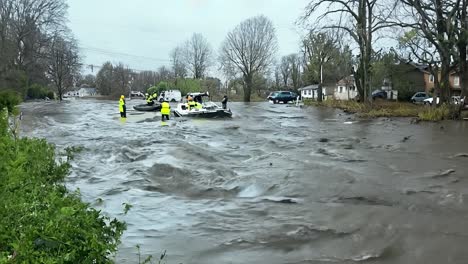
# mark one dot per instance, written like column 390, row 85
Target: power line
column 94, row 66
column 116, row 53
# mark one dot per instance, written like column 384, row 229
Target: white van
column 171, row 96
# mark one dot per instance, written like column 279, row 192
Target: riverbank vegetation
column 390, row 109
column 41, row 221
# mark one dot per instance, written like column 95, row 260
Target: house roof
column 89, row 90
column 346, row 80
column 309, row 87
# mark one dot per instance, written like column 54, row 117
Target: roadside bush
column 9, row 99
column 41, row 222
column 37, row 91
column 51, row 95
column 442, row 112
column 377, row 109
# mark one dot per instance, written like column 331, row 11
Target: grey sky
column 107, row 30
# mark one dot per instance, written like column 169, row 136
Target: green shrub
column 51, row 95
column 442, row 112
column 9, row 99
column 376, row 109
column 41, row 222
column 37, row 91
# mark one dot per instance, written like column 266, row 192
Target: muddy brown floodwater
column 274, row 184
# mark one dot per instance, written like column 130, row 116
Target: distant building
column 311, row 92
column 81, row 92
column 85, row 92
column 346, row 89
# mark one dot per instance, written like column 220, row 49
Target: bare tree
column 63, row 63
column 198, row 55
column 295, row 62
column 144, row 80
column 361, row 19
column 435, row 21
column 26, row 29
column 123, row 78
column 462, row 45
column 277, row 76
column 285, row 69
column 415, row 47
column 164, row 73
column 179, row 65
column 250, row 48
column 104, row 79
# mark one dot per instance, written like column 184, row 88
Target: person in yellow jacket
column 149, row 99
column 122, row 107
column 165, row 110
column 191, row 103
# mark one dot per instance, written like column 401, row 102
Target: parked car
column 419, row 97
column 429, row 101
column 453, row 100
column 379, row 94
column 282, row 96
column 456, row 99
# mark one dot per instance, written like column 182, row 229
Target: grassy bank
column 390, row 109
column 41, row 222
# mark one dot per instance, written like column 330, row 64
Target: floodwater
column 274, row 184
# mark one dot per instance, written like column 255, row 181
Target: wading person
column 165, row 110
column 122, row 107
column 224, row 102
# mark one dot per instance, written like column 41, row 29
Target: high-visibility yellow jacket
column 121, row 105
column 149, row 98
column 191, row 105
column 165, row 108
column 198, row 105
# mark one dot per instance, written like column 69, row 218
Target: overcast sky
column 141, row 33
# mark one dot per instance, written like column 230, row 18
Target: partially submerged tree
column 250, row 48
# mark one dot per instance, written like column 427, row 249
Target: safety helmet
column 122, row 97
column 146, row 94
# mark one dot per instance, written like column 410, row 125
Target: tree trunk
column 248, row 79
column 319, row 93
column 445, row 82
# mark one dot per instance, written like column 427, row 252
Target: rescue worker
column 122, row 107
column 149, row 100
column 191, row 103
column 165, row 110
column 224, row 102
column 155, row 96
column 198, row 106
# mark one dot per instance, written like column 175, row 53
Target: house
column 410, row 77
column 311, row 92
column 85, row 92
column 345, row 89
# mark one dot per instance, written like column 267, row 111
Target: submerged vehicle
column 208, row 109
column 147, row 108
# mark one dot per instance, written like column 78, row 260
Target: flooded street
column 274, row 184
